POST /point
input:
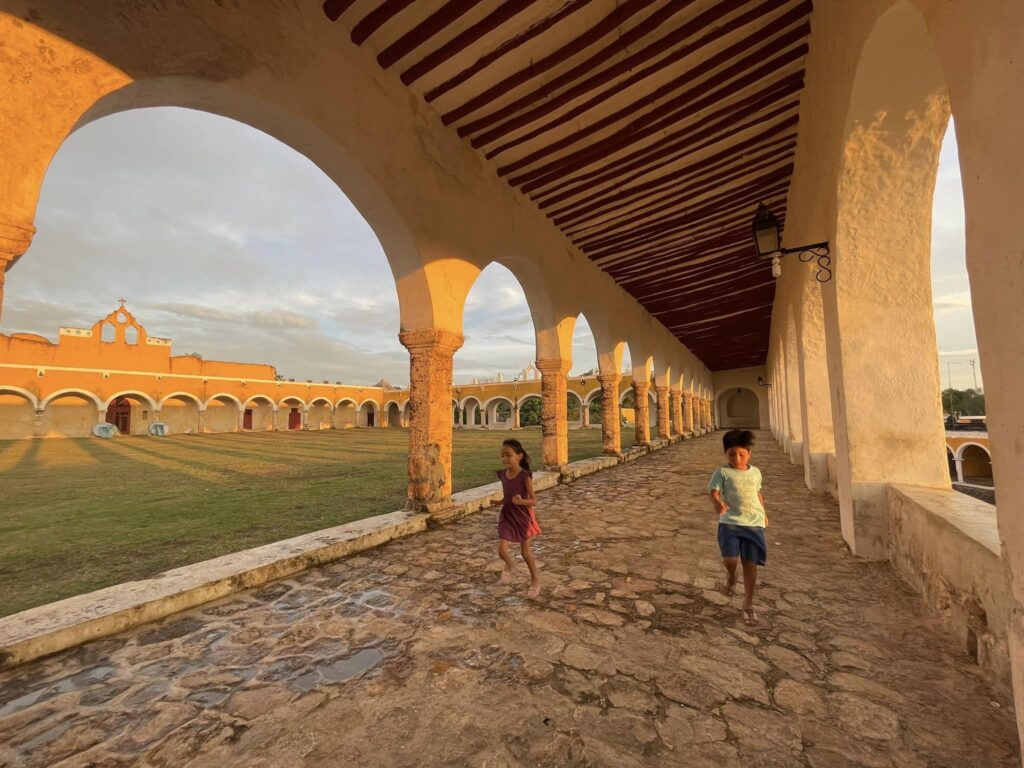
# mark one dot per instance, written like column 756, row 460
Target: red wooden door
column 294, row 419
column 119, row 413
column 247, row 419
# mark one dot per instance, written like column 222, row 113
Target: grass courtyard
column 79, row 515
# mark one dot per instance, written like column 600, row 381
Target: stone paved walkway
column 414, row 656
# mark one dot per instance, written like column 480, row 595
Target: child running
column 517, row 522
column 735, row 490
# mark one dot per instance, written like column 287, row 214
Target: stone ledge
column 634, row 453
column 946, row 546
column 578, row 469
column 50, row 628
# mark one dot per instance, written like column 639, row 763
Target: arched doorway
column 119, row 413
column 368, row 414
column 17, row 414
column 180, row 412
column 394, row 415
column 739, row 408
column 70, row 414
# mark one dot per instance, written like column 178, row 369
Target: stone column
column 14, row 241
column 676, row 406
column 642, row 412
column 515, row 417
column 554, row 411
column 37, row 423
column 688, row 412
column 611, row 436
column 663, row 416
column 241, row 419
column 698, row 415
column 101, row 416
column 585, row 415
column 430, row 424
column 709, row 414
column 202, row 422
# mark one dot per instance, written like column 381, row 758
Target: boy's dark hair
column 734, row 438
column 516, row 446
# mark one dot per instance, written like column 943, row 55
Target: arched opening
column 131, row 335
column 319, row 415
column 290, row 414
column 529, row 411
column 131, row 413
column 976, row 464
column 394, row 416
column 594, row 406
column 574, row 410
column 17, row 415
column 951, row 460
column 258, row 414
column 888, row 383
column 180, row 412
column 368, row 414
column 472, row 413
column 738, row 408
column 406, row 414
column 345, row 415
column 498, row 411
column 108, row 334
column 221, row 414
column 70, row 414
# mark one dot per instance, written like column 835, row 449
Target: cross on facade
column 123, row 302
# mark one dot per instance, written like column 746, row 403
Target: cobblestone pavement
column 413, row 655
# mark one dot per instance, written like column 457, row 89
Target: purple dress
column 516, row 522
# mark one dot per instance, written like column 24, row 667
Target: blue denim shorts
column 743, row 541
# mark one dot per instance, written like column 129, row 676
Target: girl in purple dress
column 517, row 522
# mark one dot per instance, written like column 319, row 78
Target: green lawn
column 78, row 515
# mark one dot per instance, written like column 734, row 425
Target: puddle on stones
column 339, row 670
column 76, row 682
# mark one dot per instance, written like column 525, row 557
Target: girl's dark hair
column 734, row 438
column 516, row 446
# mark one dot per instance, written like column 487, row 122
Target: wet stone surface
column 413, row 654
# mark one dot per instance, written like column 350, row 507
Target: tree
column 529, row 412
column 966, row 402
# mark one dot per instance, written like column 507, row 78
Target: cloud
column 952, row 301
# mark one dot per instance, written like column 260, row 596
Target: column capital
column 431, row 339
column 661, row 388
column 609, row 378
column 688, row 396
column 553, row 366
column 641, row 386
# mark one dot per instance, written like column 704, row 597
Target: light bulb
column 776, row 267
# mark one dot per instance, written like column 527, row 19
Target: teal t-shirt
column 738, row 489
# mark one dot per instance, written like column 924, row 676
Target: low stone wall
column 946, row 546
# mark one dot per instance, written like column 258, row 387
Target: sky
column 239, row 248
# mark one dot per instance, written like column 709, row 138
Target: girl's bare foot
column 534, row 590
column 730, row 585
column 750, row 617
column 506, row 575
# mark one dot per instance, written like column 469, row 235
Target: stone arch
column 530, row 415
column 574, row 409
column 181, row 412
column 951, row 460
column 346, row 414
column 131, row 412
column 498, row 417
column 71, row 413
column 975, row 462
column 83, row 393
column 319, row 414
column 739, row 408
column 220, row 413
column 887, row 163
column 472, row 412
column 394, row 413
column 258, row 413
column 102, row 90
column 406, row 413
column 17, row 413
column 368, row 414
column 291, row 413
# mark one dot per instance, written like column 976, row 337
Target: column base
column 816, row 472
column 864, row 520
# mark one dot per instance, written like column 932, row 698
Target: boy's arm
column 716, row 501
column 763, row 508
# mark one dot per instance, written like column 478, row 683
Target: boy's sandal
column 750, row 617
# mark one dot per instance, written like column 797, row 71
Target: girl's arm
column 531, row 497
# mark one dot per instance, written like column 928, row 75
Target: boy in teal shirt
column 735, row 490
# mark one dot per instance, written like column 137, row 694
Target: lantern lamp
column 768, row 243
